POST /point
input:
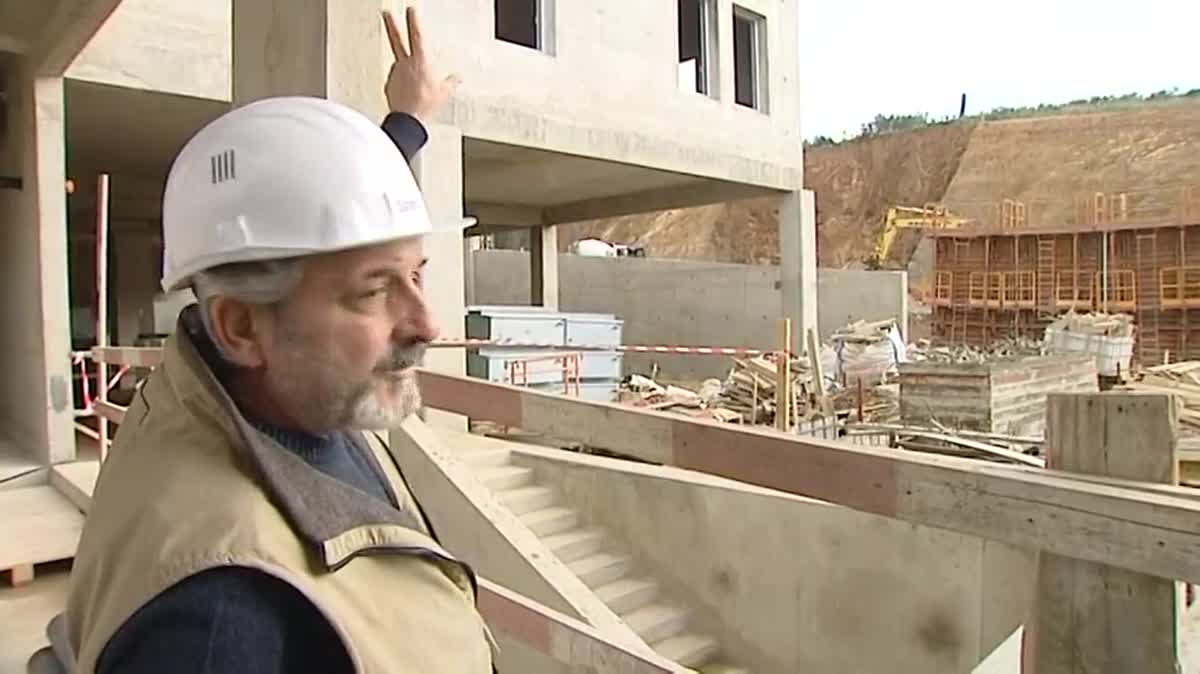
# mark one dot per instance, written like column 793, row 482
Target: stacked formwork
column 995, row 283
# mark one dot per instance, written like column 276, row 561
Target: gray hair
column 266, row 282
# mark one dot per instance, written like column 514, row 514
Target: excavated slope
column 1051, row 163
column 1048, row 162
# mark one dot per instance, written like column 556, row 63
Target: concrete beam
column 1047, row 511
column 71, row 27
column 326, row 48
column 798, row 264
column 504, row 215
column 699, row 194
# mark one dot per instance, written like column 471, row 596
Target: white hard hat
column 284, row 177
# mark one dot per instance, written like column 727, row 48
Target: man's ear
column 238, row 331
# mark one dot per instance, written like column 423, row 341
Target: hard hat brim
column 185, row 280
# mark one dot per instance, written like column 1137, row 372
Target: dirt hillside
column 1051, row 162
column 854, row 183
column 1048, row 162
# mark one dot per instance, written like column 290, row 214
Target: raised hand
column 411, row 86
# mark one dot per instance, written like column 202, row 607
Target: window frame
column 544, row 21
column 759, row 63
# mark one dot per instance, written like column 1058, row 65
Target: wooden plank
column 984, row 448
column 109, row 411
column 75, row 481
column 1092, row 617
column 1147, row 532
column 20, row 575
column 814, row 359
column 133, row 356
column 38, row 525
column 783, row 377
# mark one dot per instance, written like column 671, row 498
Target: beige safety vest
column 190, row 485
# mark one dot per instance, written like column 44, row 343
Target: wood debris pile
column 1179, row 379
column 639, row 391
column 749, row 389
column 1012, row 347
column 1098, row 323
column 864, row 332
column 747, row 396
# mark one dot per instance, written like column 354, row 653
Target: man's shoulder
column 228, row 619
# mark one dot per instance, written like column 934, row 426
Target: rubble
column 1179, row 379
column 1097, row 323
column 1012, row 347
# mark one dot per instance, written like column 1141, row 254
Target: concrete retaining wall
column 685, row 302
column 796, row 585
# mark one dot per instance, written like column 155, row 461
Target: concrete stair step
column 655, row 622
column 600, row 568
column 550, row 521
column 485, row 457
column 506, row 477
column 571, row 545
column 527, row 499
column 689, row 650
column 628, row 594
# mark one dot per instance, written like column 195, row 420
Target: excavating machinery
column 903, row 229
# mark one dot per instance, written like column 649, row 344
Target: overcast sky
column 863, row 57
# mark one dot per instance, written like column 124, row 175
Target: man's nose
column 418, row 323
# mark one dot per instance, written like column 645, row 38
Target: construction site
column 711, row 401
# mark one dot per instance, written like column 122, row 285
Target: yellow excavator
column 903, row 229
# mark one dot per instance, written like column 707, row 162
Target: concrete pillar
column 36, row 404
column 439, row 172
column 798, row 263
column 328, row 48
column 470, row 245
column 543, row 267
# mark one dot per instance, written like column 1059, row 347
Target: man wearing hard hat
column 245, row 521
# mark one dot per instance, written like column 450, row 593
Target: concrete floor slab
column 24, row 613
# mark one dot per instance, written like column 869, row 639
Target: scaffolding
column 999, row 282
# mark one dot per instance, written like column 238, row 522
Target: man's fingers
column 416, row 42
column 393, row 34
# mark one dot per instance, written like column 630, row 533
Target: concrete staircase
column 661, row 621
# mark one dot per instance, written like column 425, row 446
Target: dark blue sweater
column 236, row 620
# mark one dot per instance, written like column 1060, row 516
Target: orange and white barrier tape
column 625, row 348
column 149, row 356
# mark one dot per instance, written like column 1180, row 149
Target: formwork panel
column 950, row 393
column 1151, row 271
column 1003, row 396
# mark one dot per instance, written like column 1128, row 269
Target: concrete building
column 568, row 111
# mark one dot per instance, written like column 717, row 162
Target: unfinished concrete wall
column 795, row 585
column 608, row 88
column 691, row 303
